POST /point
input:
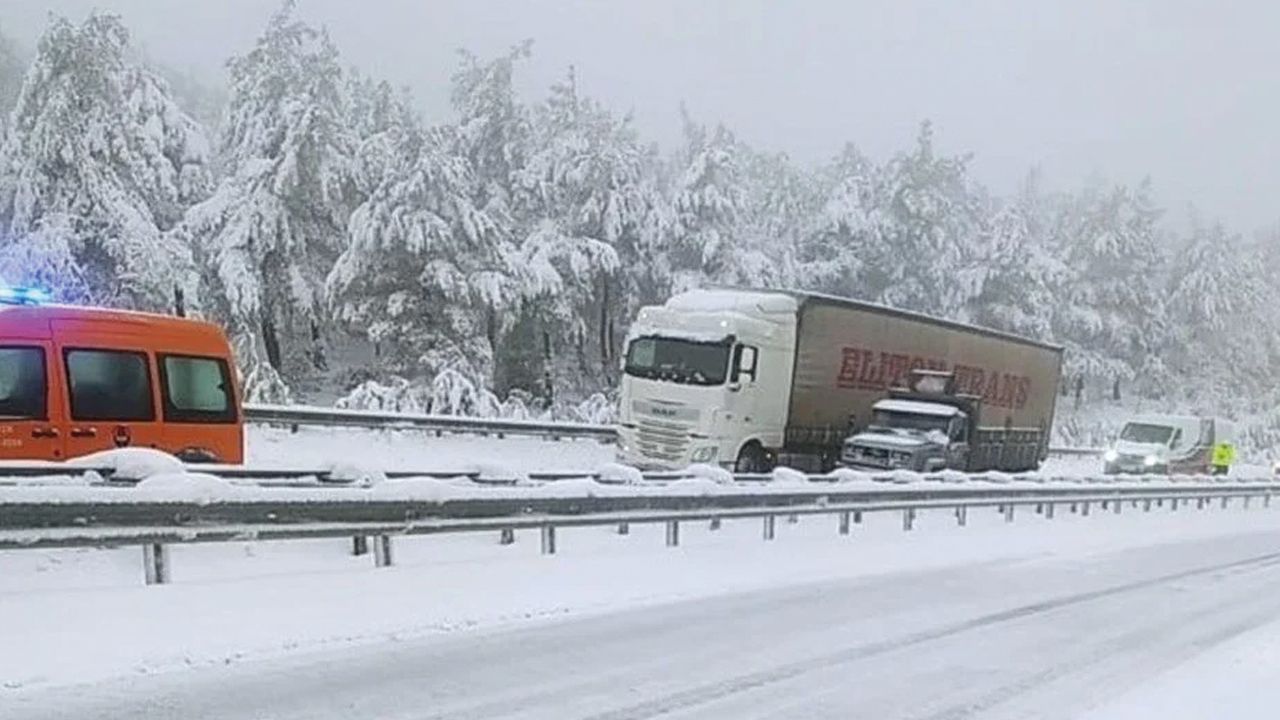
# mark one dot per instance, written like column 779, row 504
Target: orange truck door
column 111, row 398
column 30, row 405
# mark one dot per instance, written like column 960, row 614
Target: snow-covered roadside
column 80, row 615
column 1239, row 679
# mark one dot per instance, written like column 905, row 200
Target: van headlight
column 1111, row 456
column 704, row 454
column 1151, row 461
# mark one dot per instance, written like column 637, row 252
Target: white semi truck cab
column 706, row 379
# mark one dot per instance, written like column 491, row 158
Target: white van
column 1167, row 444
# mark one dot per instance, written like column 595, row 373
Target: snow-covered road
column 1039, row 620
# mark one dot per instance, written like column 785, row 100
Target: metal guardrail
column 301, row 415
column 107, row 516
column 297, row 415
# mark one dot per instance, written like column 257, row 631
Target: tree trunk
column 548, row 385
column 605, row 349
column 271, row 341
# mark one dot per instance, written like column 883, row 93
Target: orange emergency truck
column 76, row 380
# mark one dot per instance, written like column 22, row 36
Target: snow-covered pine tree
column 590, row 217
column 1109, row 312
column 271, row 231
column 99, row 162
column 831, row 256
column 927, row 254
column 425, row 270
column 1022, row 274
column 493, row 128
column 707, row 207
column 1223, row 334
column 781, row 205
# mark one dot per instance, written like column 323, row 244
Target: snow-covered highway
column 1039, row 619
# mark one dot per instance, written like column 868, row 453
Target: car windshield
column 1146, row 433
column 690, row 362
column 909, row 422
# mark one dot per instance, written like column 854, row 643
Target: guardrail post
column 1159, row 502
column 1084, row 508
column 1225, row 501
column 155, row 563
column 1118, row 507
column 844, row 522
column 857, row 517
column 792, row 519
column 359, row 545
column 1146, row 505
column 1039, row 508
column 507, row 536
column 1048, row 510
column 715, row 524
column 1266, row 500
column 1074, row 508
column 1106, row 505
column 1246, row 501
column 673, row 533
column 1173, row 504
column 382, row 551
column 908, row 519
column 624, row 528
column 548, row 539
column 962, row 516
column 1008, row 512
column 769, row 522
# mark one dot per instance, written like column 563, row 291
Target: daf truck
column 748, row 379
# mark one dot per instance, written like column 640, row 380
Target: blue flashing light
column 22, row 295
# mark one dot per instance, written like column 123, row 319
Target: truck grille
column 877, row 457
column 662, row 440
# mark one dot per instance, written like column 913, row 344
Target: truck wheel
column 752, row 459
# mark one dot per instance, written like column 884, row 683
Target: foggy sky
column 1185, row 92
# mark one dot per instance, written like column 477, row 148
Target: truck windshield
column 1144, row 433
column 682, row 361
column 911, row 422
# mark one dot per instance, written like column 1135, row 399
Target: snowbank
column 131, row 463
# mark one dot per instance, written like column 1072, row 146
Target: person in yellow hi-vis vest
column 1224, row 453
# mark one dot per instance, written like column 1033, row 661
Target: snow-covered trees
column 98, row 164
column 706, row 204
column 425, row 271
column 492, row 261
column 1110, row 311
column 272, row 229
column 590, row 219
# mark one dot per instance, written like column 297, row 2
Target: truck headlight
column 1151, row 461
column 1111, row 456
column 704, row 454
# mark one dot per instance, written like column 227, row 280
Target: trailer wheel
column 752, row 459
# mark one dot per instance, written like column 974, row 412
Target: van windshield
column 1145, row 433
column 677, row 360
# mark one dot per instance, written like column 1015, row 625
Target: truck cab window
column 196, row 389
column 23, row 384
column 745, row 360
column 690, row 362
column 109, row 385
